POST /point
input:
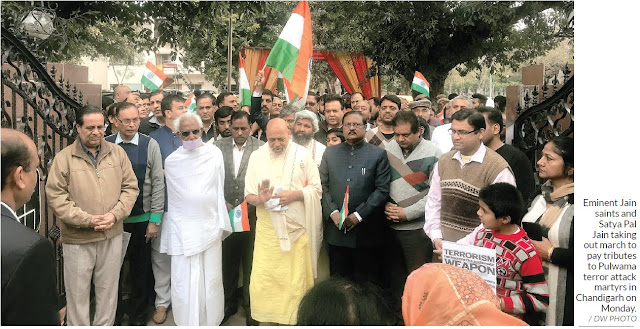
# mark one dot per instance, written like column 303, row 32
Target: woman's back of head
column 341, row 302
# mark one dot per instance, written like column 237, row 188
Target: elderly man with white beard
column 193, row 226
column 305, row 126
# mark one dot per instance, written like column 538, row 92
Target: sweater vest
column 137, row 154
column 460, row 188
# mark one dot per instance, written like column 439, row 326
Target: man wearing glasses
column 452, row 202
column 355, row 243
column 193, row 225
column 144, row 221
column 313, row 105
column 91, row 188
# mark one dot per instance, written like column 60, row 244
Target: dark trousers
column 237, row 249
column 135, row 275
column 416, row 248
column 358, row 264
column 404, row 252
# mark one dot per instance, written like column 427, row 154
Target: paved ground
column 237, row 319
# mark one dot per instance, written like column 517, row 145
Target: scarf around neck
column 557, row 199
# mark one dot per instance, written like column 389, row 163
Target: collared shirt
column 237, row 156
column 94, row 159
column 434, row 198
column 209, row 133
column 442, row 137
column 11, row 210
column 133, row 140
column 154, row 119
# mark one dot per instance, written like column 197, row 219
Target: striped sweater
column 410, row 179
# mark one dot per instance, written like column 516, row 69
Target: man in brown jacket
column 91, row 188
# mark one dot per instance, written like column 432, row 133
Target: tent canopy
column 354, row 70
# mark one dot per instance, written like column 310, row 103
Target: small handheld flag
column 420, row 84
column 345, row 209
column 239, row 218
column 190, row 103
column 152, row 77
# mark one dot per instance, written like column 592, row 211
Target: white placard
column 481, row 261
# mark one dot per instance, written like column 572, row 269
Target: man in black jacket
column 355, row 249
column 29, row 295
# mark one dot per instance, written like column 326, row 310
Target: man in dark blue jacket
column 355, row 249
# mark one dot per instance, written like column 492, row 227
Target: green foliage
column 402, row 37
column 435, row 37
column 109, row 29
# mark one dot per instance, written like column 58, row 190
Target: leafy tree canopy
column 402, row 37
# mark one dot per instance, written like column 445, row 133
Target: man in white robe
column 193, row 226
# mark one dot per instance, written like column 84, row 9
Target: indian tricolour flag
column 291, row 55
column 190, row 103
column 245, row 88
column 152, row 77
column 239, row 218
column 344, row 212
column 420, row 84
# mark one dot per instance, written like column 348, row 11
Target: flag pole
column 230, row 45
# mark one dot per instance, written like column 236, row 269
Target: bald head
column 278, row 135
column 19, row 164
column 121, row 92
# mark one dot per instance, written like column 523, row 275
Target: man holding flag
column 355, row 179
column 238, row 248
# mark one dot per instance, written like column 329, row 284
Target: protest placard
column 481, row 261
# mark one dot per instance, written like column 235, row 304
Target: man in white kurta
column 193, row 227
column 283, row 183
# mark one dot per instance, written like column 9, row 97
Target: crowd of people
column 331, row 215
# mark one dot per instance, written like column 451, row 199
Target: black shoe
column 229, row 311
column 251, row 321
column 225, row 319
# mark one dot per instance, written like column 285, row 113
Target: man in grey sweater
column 411, row 159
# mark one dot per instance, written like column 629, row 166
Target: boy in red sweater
column 521, row 285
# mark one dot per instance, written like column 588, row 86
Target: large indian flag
column 292, row 52
column 245, row 88
column 420, row 84
column 152, row 77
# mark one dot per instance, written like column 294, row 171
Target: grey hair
column 287, row 110
column 306, row 114
column 464, row 98
column 186, row 115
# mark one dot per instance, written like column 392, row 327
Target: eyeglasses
column 461, row 132
column 187, row 133
column 129, row 121
column 311, row 104
column 354, row 125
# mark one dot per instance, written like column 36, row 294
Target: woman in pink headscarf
column 445, row 295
